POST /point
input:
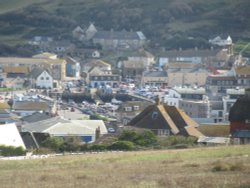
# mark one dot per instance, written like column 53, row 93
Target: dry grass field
column 226, row 167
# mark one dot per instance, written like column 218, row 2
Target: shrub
column 225, row 166
column 97, row 117
column 177, row 141
column 98, row 147
column 144, row 138
column 121, row 145
column 54, row 143
column 11, row 151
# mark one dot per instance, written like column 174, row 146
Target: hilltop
column 168, row 23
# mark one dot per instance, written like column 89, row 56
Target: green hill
column 161, row 20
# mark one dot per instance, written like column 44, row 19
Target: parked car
column 111, row 130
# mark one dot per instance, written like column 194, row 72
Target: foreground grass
column 202, row 167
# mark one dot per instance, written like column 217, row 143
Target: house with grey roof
column 25, row 108
column 41, row 78
column 58, row 127
column 113, row 39
column 119, row 39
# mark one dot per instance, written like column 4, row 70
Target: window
column 163, row 132
column 42, row 78
column 154, row 115
column 128, row 109
column 47, row 78
column 136, row 107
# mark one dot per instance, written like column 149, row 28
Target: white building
column 231, row 96
column 41, row 78
column 9, row 136
column 192, row 101
column 85, row 130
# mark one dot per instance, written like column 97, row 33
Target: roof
column 58, row 126
column 189, row 53
column 37, row 72
column 240, row 110
column 45, row 55
column 214, row 140
column 215, row 130
column 23, row 70
column 241, row 134
column 35, row 117
column 162, row 116
column 13, row 138
column 30, row 105
column 98, row 63
column 4, row 105
column 134, row 64
column 189, row 90
column 242, row 70
column 28, row 61
column 155, row 74
column 119, row 35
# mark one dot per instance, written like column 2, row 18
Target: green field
column 201, row 167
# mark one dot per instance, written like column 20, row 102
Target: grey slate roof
column 30, row 105
column 155, row 74
column 36, row 72
column 36, row 117
column 42, row 125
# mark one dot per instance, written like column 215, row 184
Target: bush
column 121, row 145
column 144, row 138
column 11, row 151
column 225, row 166
column 54, row 143
column 97, row 117
column 178, row 141
column 98, row 147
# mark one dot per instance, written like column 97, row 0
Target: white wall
column 10, row 136
column 44, row 80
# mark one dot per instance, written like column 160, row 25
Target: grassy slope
column 172, row 168
column 13, row 5
column 205, row 18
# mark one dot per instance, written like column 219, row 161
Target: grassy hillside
column 163, row 21
column 203, row 167
column 13, row 5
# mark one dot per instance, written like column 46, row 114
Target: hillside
column 226, row 166
column 168, row 23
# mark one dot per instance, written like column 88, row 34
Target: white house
column 221, row 42
column 9, row 136
column 231, row 96
column 41, row 78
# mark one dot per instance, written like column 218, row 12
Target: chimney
column 97, row 133
column 157, row 100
